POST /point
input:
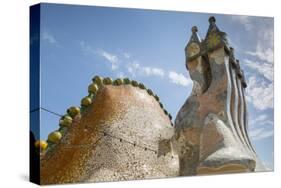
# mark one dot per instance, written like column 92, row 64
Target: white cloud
column 260, row 133
column 260, row 93
column 179, row 79
column 120, row 75
column 244, row 20
column 134, row 68
column 261, row 120
column 111, row 58
column 260, row 126
column 86, row 48
column 264, row 68
column 153, row 71
column 264, row 54
column 265, row 37
column 127, row 55
column 268, row 165
column 263, row 29
column 46, row 36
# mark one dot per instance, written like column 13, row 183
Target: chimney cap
column 212, row 19
column 194, row 29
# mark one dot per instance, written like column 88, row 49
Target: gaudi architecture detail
column 211, row 127
column 122, row 131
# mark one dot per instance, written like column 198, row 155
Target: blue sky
column 78, row 42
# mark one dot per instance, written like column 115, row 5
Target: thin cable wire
column 34, row 110
column 51, row 112
column 104, row 134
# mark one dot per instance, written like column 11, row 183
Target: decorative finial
column 212, row 20
column 194, row 37
column 231, row 49
column 238, row 65
column 194, row 29
column 238, row 62
column 244, row 83
column 232, row 58
column 239, row 74
column 212, row 27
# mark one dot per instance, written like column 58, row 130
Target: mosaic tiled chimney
column 211, row 127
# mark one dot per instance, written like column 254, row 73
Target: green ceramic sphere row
column 98, row 81
column 67, row 120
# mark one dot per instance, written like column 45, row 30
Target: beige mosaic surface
column 87, row 154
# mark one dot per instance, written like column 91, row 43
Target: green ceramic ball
column 127, row 81
column 156, row 97
column 149, row 91
column 135, row 83
column 73, row 111
column 107, row 81
column 118, row 82
column 98, row 80
column 54, row 137
column 170, row 116
column 41, row 144
column 141, row 85
column 93, row 88
column 66, row 121
column 86, row 101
